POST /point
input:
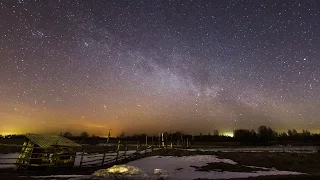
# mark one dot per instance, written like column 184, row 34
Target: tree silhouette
column 292, row 133
column 84, row 135
column 122, row 135
column 67, row 134
column 215, row 132
column 266, row 134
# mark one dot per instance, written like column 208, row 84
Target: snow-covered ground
column 176, row 168
column 179, row 167
column 289, row 149
column 111, row 156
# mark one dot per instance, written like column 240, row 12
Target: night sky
column 154, row 66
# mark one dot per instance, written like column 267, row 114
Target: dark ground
column 300, row 162
column 308, row 163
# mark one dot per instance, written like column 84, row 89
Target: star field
column 151, row 66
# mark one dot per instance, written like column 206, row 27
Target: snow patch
column 287, row 149
column 179, row 167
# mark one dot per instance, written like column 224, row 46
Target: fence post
column 137, row 146
column 104, row 156
column 166, row 140
column 171, row 140
column 109, row 136
column 118, row 148
column 117, row 157
column 81, row 159
column 152, row 144
column 162, row 139
column 159, row 140
column 125, row 152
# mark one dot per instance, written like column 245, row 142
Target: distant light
column 8, row 133
column 229, row 134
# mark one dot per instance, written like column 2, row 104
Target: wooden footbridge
column 43, row 154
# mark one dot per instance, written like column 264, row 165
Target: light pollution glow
column 190, row 66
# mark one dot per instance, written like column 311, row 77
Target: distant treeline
column 266, row 135
column 263, row 136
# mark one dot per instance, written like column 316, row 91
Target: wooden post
column 159, row 140
column 104, row 157
column 145, row 151
column 166, row 140
column 109, row 136
column 125, row 152
column 118, row 148
column 119, row 144
column 138, row 146
column 81, row 159
column 187, row 142
column 162, row 139
column 152, row 144
column 171, row 140
column 117, row 156
column 73, row 158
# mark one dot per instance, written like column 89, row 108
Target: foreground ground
column 308, row 163
column 300, row 162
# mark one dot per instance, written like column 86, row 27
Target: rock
column 159, row 172
column 119, row 172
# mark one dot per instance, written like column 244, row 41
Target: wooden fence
column 90, row 159
column 94, row 156
column 85, row 158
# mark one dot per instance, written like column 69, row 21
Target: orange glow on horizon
column 9, row 133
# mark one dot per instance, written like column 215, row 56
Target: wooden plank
column 94, row 160
column 81, row 159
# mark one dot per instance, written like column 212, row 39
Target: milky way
column 152, row 66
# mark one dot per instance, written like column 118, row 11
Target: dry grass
column 220, row 166
column 300, row 162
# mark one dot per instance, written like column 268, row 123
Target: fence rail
column 85, row 158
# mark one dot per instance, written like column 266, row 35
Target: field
column 206, row 164
column 201, row 161
column 299, row 162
